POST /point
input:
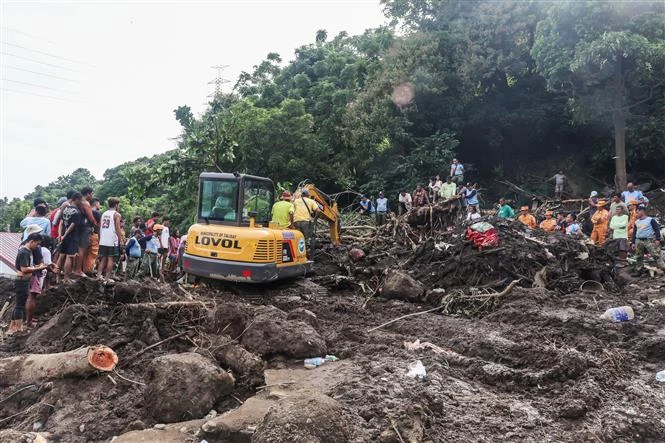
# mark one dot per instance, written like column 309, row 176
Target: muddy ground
column 535, row 364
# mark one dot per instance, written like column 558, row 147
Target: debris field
column 513, row 347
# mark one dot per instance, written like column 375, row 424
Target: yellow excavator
column 234, row 239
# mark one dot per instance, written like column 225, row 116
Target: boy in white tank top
column 109, row 239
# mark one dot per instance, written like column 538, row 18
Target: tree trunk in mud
column 248, row 366
column 77, row 363
column 619, row 120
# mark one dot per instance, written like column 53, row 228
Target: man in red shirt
column 151, row 222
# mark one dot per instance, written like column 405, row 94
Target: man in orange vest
column 549, row 224
column 600, row 220
column 527, row 218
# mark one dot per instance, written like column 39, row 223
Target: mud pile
column 447, row 259
column 182, row 354
column 563, row 262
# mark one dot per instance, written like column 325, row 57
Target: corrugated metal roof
column 9, row 244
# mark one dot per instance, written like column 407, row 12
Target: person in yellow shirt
column 549, row 224
column 449, row 189
column 526, row 218
column 304, row 212
column 600, row 220
column 282, row 211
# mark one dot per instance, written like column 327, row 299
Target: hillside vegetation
column 515, row 89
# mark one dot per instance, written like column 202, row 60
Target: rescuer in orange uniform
column 632, row 216
column 527, row 218
column 600, row 221
column 549, row 224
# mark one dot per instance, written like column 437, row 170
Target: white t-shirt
column 472, row 216
column 107, row 235
column 165, row 237
column 46, row 255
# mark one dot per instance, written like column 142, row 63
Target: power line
column 47, row 54
column 44, row 74
column 26, row 34
column 43, row 95
column 39, row 61
column 33, row 84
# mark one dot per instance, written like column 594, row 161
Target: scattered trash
column 412, row 346
column 622, row 313
column 660, row 376
column 417, row 370
column 483, row 235
column 592, row 286
column 356, row 254
column 442, row 246
column 311, row 363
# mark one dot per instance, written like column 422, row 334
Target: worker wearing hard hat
column 526, row 218
column 549, row 224
column 600, row 221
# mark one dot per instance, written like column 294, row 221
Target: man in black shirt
column 24, row 268
column 71, row 219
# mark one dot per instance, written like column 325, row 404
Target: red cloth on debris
column 485, row 239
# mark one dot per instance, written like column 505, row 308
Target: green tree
column 609, row 57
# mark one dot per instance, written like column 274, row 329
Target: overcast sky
column 92, row 85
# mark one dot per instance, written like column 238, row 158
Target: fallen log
column 77, row 363
column 246, row 365
column 506, row 291
column 350, row 228
column 170, row 304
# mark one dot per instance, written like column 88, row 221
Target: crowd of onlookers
column 452, row 189
column 76, row 238
column 621, row 223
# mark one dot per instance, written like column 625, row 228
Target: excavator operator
column 305, row 210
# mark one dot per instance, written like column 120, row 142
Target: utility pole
column 218, row 81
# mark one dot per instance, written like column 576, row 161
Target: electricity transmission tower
column 218, row 81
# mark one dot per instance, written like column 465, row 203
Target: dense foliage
column 514, row 88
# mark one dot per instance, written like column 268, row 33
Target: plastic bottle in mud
column 622, row 313
column 660, row 376
column 311, row 363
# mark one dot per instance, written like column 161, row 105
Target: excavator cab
column 233, row 238
column 232, row 199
